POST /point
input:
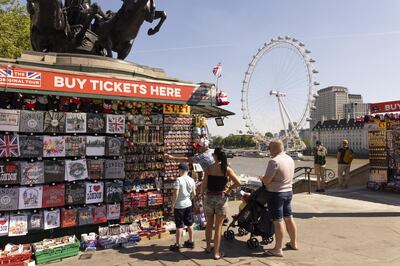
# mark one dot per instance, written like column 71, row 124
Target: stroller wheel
column 250, row 244
column 242, row 232
column 270, row 240
column 255, row 242
column 229, row 235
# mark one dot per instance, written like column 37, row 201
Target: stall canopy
column 211, row 111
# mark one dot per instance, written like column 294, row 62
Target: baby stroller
column 255, row 219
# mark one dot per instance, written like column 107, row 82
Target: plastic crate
column 57, row 253
column 17, row 260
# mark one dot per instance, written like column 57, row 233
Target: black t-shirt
column 341, row 152
column 318, row 158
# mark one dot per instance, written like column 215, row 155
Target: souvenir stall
column 384, row 146
column 83, row 149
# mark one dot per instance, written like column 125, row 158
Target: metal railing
column 306, row 173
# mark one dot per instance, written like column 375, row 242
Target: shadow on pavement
column 308, row 215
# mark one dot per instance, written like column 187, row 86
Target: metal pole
column 308, row 170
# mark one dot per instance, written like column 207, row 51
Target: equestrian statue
column 78, row 26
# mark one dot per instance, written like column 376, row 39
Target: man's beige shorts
column 319, row 169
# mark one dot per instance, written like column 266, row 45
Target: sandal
column 221, row 255
column 271, row 254
column 290, row 247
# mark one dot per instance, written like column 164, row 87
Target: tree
column 14, row 29
column 269, row 135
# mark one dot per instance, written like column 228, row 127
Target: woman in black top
column 216, row 187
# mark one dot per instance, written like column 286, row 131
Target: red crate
column 16, row 260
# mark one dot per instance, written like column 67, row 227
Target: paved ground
column 353, row 227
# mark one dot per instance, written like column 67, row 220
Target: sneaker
column 188, row 244
column 174, row 248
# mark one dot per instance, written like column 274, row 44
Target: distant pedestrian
column 216, row 187
column 320, row 153
column 278, row 180
column 344, row 158
column 184, row 191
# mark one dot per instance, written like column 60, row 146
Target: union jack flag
column 217, row 70
column 9, row 146
column 9, row 73
column 116, row 124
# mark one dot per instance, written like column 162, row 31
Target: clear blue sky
column 355, row 42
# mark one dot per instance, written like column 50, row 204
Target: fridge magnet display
column 75, row 123
column 94, row 192
column 30, row 197
column 114, row 169
column 69, row 217
column 18, row 225
column 76, row 170
column 113, row 191
column 54, row 122
column 8, row 173
column 115, row 124
column 9, row 199
column 31, row 146
column 53, row 196
column 75, row 145
column 54, row 146
column 75, row 193
column 95, row 168
column 114, row 146
column 95, row 146
column 4, row 222
column 96, row 123
column 31, row 121
column 35, row 221
column 9, row 120
column 113, row 211
column 9, row 145
column 51, row 219
column 31, row 173
column 85, row 216
column 99, row 214
column 54, row 171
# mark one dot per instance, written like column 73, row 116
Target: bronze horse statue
column 118, row 33
column 49, row 25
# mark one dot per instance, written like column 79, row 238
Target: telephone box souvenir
column 35, row 221
column 94, row 192
column 85, row 215
column 95, row 168
column 69, row 218
column 4, row 223
column 75, row 123
column 115, row 124
column 113, row 211
column 76, row 170
column 9, row 199
column 31, row 121
column 114, row 146
column 75, row 193
column 31, row 146
column 54, row 122
column 115, row 169
column 54, row 171
column 53, row 196
column 8, row 173
column 114, row 191
column 30, row 197
column 99, row 214
column 18, row 225
column 31, row 173
column 9, row 146
column 54, row 146
column 95, row 146
column 75, row 145
column 96, row 123
column 9, row 120
column 51, row 219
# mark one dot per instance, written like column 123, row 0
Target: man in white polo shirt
column 278, row 180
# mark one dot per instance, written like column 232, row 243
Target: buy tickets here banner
column 85, row 84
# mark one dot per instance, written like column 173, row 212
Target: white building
column 332, row 132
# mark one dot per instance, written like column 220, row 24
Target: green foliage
column 269, row 135
column 14, row 29
column 217, row 141
column 234, row 141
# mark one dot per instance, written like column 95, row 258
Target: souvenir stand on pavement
column 384, row 146
column 82, row 144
